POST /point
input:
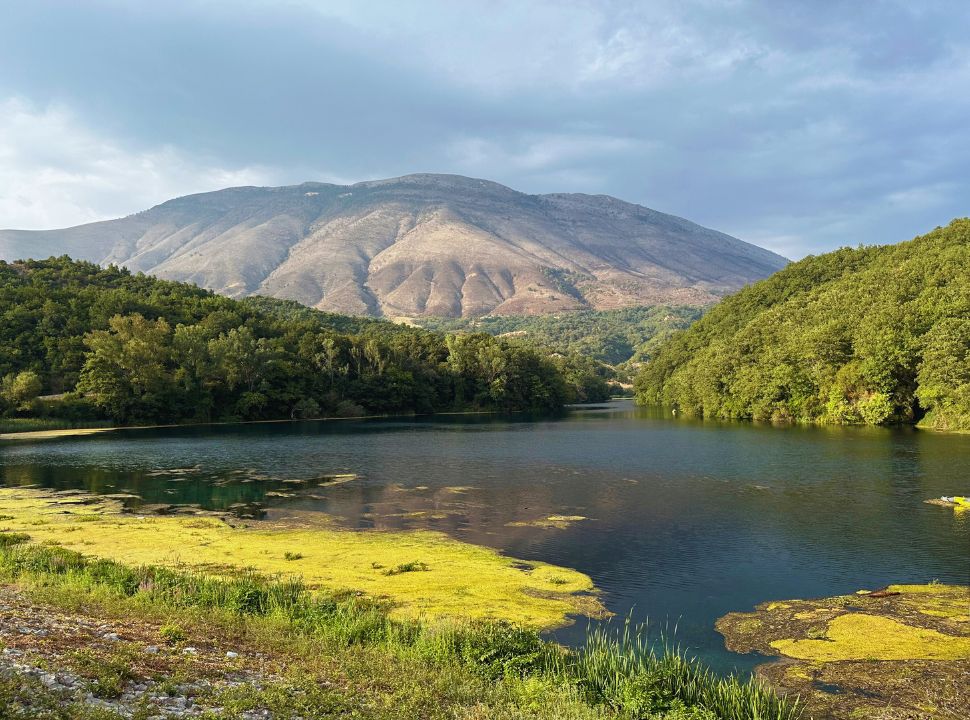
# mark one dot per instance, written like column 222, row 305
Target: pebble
column 231, row 655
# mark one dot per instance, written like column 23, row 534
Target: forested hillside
column 871, row 335
column 609, row 336
column 131, row 348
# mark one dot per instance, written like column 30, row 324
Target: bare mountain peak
column 422, row 244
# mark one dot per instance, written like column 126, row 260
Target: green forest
column 874, row 335
column 609, row 336
column 83, row 343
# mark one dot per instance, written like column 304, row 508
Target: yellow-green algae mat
column 901, row 652
column 424, row 574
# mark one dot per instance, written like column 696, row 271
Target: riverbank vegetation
column 340, row 655
column 872, row 335
column 83, row 343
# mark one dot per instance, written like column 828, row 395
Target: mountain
column 872, row 335
column 419, row 245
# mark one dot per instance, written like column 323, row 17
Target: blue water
column 686, row 520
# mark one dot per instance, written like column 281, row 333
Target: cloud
column 800, row 125
column 571, row 159
column 502, row 47
column 55, row 172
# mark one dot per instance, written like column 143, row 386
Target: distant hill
column 419, row 245
column 873, row 335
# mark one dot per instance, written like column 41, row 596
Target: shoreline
column 81, row 431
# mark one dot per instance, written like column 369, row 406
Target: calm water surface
column 686, row 520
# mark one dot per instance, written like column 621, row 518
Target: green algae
column 887, row 654
column 462, row 580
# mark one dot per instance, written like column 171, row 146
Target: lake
column 685, row 520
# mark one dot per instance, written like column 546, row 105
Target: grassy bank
column 381, row 666
column 40, row 425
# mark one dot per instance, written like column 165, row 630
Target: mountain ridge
column 417, row 245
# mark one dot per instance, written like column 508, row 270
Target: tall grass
column 623, row 670
column 617, row 668
column 15, row 425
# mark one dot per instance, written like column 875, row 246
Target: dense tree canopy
column 131, row 348
column 609, row 336
column 872, row 335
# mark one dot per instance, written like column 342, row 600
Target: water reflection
column 684, row 520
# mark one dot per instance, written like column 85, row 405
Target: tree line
column 99, row 342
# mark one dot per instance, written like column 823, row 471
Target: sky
column 798, row 126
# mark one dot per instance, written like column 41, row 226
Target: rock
column 232, row 655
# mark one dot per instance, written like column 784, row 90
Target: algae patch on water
column 858, row 636
column 558, row 522
column 460, row 580
column 903, row 649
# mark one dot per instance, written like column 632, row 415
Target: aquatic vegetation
column 906, row 646
column 415, row 566
column 338, row 479
column 558, row 522
column 622, row 670
column 856, row 636
column 461, row 580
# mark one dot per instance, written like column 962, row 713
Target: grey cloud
column 801, row 125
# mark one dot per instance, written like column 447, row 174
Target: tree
column 21, row 390
column 944, row 374
column 127, row 370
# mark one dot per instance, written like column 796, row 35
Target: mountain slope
column 420, row 245
column 874, row 335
